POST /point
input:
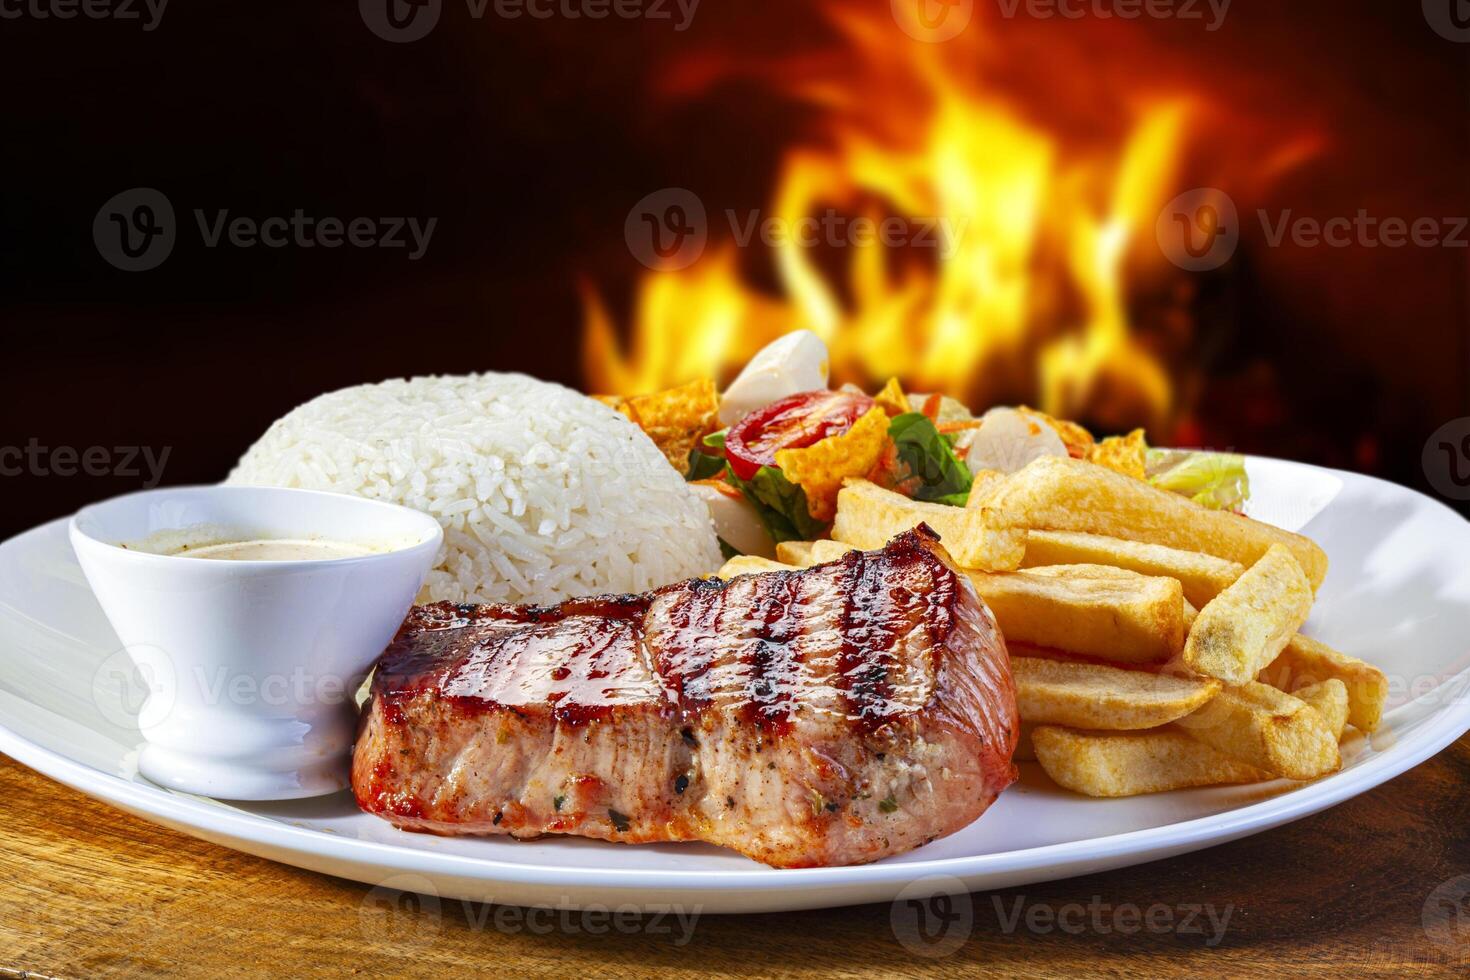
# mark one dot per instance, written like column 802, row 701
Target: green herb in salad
column 928, row 455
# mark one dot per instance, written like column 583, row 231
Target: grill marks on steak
column 831, row 715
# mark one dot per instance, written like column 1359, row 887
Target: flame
column 1023, row 299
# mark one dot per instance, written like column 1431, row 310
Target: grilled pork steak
column 833, row 715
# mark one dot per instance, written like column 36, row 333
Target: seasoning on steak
column 832, row 715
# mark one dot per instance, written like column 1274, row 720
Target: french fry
column 1202, row 576
column 1055, row 692
column 1268, row 729
column 1114, row 764
column 1055, row 494
column 1330, row 698
column 982, row 485
column 1093, row 610
column 868, row 516
column 1243, row 628
column 751, row 565
column 1307, row 661
column 825, row 551
column 1122, row 616
column 795, row 553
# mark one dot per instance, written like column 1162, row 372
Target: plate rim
column 196, row 815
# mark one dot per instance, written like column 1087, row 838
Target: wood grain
column 87, row 891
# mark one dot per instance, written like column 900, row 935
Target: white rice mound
column 543, row 493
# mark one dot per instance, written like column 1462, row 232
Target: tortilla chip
column 1126, row 454
column 820, row 468
column 675, row 419
column 892, row 399
column 1079, row 441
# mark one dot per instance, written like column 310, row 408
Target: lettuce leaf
column 703, row 465
column 930, row 456
column 1214, row 480
column 780, row 505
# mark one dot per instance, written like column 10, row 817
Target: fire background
column 1055, row 136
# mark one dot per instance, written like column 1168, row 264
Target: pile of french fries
column 1154, row 642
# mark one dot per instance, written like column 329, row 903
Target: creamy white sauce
column 275, row 549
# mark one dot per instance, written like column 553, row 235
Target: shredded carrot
column 931, row 406
column 958, row 425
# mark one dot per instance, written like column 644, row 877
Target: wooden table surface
column 1377, row 886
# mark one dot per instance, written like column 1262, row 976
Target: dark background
column 530, row 140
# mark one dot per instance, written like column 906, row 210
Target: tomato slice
column 791, row 423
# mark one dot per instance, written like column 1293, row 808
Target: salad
column 770, row 454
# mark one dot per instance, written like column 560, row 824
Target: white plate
column 1398, row 595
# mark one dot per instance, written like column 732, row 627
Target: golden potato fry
column 982, row 485
column 1122, row 616
column 1054, row 494
column 675, row 419
column 1113, row 764
column 825, row 551
column 1123, row 454
column 1268, row 729
column 797, row 553
column 868, row 516
column 1330, row 698
column 751, row 565
column 820, row 468
column 1307, row 661
column 1243, row 628
column 1203, row 576
column 1055, row 692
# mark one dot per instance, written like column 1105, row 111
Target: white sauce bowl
column 252, row 666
